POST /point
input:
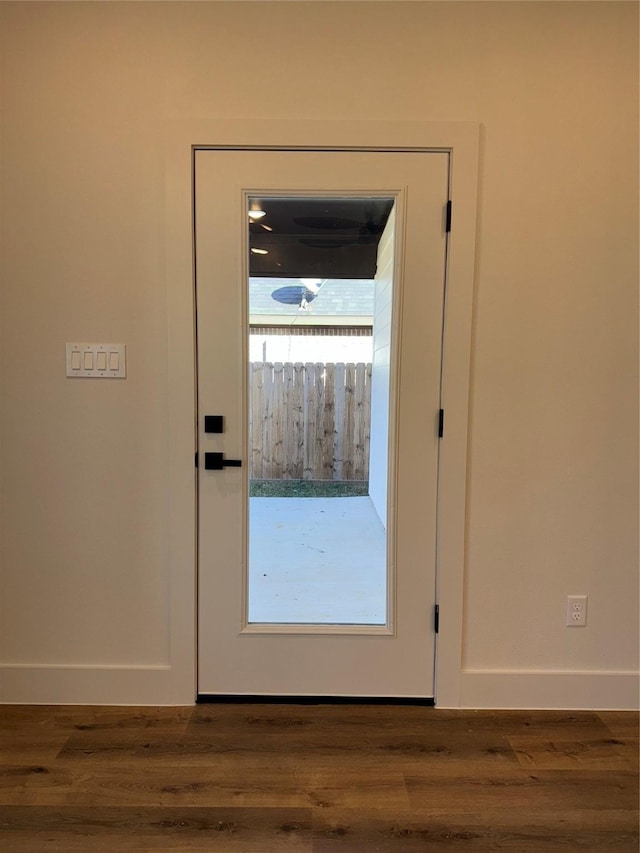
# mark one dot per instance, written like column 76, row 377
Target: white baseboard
column 158, row 685
column 550, row 689
column 91, row 685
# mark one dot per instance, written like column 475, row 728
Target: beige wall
column 552, row 476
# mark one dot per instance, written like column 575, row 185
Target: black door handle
column 216, row 462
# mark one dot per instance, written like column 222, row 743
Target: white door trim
column 182, row 137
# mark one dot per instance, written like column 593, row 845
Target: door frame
column 182, row 138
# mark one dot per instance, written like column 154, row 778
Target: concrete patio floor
column 316, row 560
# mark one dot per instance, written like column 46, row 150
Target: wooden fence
column 309, row 421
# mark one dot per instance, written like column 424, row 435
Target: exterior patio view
column 318, row 552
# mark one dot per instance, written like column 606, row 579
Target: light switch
column 97, row 361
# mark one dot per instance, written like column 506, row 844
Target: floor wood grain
column 349, row 779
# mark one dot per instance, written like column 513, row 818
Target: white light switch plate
column 97, row 361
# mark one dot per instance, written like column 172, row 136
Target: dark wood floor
column 261, row 778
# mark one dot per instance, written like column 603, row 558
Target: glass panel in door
column 320, row 294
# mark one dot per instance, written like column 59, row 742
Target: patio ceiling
column 326, row 238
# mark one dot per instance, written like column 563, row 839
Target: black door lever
column 216, row 462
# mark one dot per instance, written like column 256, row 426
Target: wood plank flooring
column 316, row 778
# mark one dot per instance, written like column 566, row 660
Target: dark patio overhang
column 317, row 237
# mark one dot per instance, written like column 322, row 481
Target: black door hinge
column 441, row 423
column 436, row 618
column 196, row 460
column 448, row 218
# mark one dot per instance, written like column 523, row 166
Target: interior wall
column 87, row 89
column 381, row 371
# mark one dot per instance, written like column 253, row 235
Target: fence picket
column 348, row 467
column 278, row 416
column 318, row 438
column 338, row 438
column 359, row 422
column 327, row 433
column 310, row 414
column 267, row 425
column 256, row 394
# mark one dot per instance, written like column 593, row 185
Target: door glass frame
column 389, row 628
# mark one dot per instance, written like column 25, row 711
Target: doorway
column 243, row 650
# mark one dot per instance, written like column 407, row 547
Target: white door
column 393, row 655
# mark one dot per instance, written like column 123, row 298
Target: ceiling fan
column 301, row 294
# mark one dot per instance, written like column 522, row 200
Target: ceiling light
column 257, row 214
column 259, row 251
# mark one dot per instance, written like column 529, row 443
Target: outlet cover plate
column 576, row 611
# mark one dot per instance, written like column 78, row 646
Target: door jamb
column 182, row 138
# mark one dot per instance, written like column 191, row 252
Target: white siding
column 380, row 372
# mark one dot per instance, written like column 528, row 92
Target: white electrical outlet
column 576, row 611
